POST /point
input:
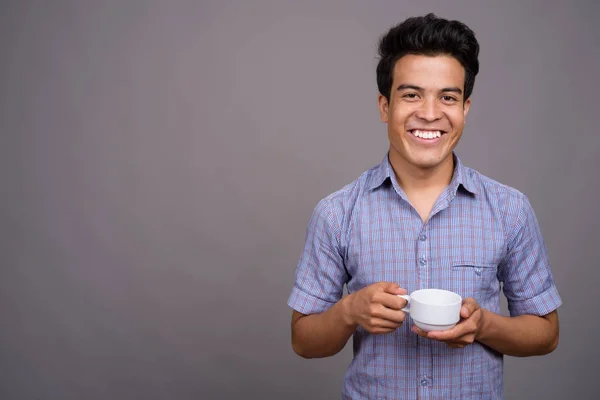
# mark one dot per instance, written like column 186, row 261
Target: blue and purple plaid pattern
column 480, row 233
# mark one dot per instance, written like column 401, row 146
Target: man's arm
column 519, row 336
column 377, row 308
column 321, row 335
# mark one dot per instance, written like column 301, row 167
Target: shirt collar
column 462, row 176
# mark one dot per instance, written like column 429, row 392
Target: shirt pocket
column 474, row 278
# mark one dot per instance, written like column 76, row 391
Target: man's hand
column 465, row 332
column 377, row 307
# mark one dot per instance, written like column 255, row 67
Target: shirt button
column 424, row 382
column 422, row 262
column 422, row 237
column 478, row 271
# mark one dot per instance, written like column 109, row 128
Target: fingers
column 419, row 331
column 450, row 334
column 393, row 302
column 379, row 325
column 385, row 323
column 377, row 308
column 441, row 336
column 463, row 333
column 456, row 342
column 393, row 288
column 455, row 345
column 379, row 331
column 389, row 314
column 390, row 299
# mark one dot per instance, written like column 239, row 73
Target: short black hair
column 427, row 35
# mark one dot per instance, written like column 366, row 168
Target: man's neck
column 414, row 180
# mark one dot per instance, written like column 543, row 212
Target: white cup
column 433, row 309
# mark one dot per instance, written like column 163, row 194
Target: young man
column 421, row 219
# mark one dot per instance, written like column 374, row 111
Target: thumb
column 469, row 307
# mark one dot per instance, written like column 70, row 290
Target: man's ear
column 466, row 107
column 383, row 105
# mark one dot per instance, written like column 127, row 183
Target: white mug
column 433, row 309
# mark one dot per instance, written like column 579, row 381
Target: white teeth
column 427, row 134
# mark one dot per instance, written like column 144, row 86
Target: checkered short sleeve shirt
column 481, row 237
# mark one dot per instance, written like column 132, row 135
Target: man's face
column 426, row 112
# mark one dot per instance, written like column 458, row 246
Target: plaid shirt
column 480, row 233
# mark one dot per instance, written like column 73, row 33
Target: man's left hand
column 465, row 332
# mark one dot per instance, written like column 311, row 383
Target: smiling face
column 426, row 111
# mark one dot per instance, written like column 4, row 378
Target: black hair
column 427, row 35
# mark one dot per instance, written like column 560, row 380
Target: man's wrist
column 346, row 311
column 484, row 325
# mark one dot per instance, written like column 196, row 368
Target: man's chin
column 429, row 162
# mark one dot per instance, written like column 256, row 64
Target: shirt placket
column 423, row 271
column 426, row 364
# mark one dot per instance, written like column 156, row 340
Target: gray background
column 160, row 160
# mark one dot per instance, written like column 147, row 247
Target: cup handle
column 407, row 298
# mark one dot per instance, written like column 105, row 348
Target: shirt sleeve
column 525, row 272
column 320, row 274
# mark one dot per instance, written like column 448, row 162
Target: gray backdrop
column 160, row 161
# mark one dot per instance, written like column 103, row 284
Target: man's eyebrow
column 406, row 86
column 452, row 89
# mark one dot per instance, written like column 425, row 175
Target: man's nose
column 430, row 110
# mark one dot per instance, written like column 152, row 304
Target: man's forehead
column 429, row 67
column 428, row 73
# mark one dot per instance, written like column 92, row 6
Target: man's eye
column 411, row 95
column 448, row 98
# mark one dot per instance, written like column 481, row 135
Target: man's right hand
column 376, row 308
